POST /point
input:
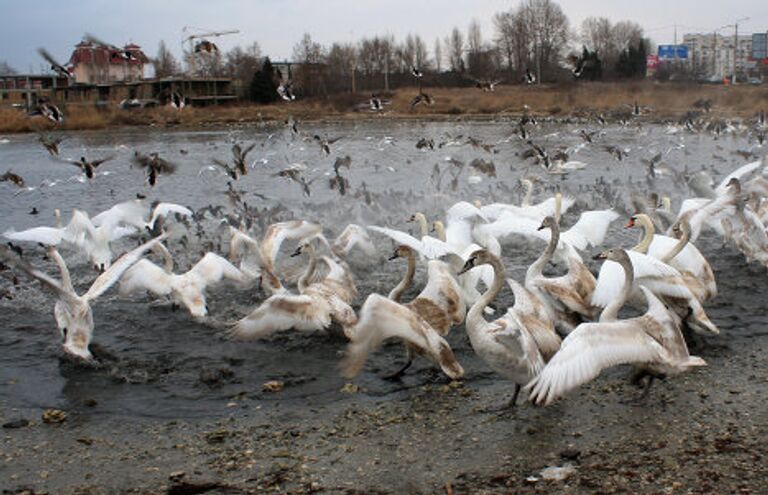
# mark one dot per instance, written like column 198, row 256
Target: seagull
column 530, row 78
column 416, row 72
column 88, row 166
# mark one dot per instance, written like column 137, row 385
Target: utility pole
column 736, row 46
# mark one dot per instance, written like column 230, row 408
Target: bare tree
column 5, row 69
column 341, row 61
column 474, row 37
column 241, row 64
column 597, row 35
column 624, row 34
column 310, row 74
column 548, row 33
column 513, row 40
column 438, row 55
column 308, row 51
column 455, row 44
column 165, row 63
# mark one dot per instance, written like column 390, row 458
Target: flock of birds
column 560, row 333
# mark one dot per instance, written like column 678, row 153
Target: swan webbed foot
column 643, row 398
column 510, row 405
column 399, row 373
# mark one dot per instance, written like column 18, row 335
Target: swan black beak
column 467, row 266
column 542, row 227
column 393, row 257
column 600, row 256
column 296, row 253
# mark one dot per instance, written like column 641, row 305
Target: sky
column 277, row 25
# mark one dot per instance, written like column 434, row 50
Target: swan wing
column 80, row 230
column 400, row 237
column 118, row 232
column 164, row 209
column 132, row 212
column 590, row 230
column 282, row 312
column 277, row 233
column 508, row 223
column 463, row 211
column 11, row 259
column 354, row 236
column 118, row 268
column 692, row 204
column 739, row 173
column 589, row 349
column 654, row 274
column 212, row 268
column 247, row 249
column 145, row 275
column 49, row 236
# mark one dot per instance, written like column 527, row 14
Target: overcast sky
column 278, row 24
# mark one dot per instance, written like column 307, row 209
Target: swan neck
column 303, row 282
column 684, row 238
column 611, row 312
column 648, row 231
column 167, row 258
column 440, row 230
column 538, row 266
column 422, row 224
column 474, row 315
column 558, row 206
column 66, row 280
column 528, row 193
column 407, row 280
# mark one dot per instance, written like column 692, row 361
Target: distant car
column 756, row 81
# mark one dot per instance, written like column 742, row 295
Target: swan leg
column 513, row 402
column 397, row 374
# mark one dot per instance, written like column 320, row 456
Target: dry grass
column 667, row 100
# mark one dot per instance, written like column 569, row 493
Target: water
column 166, row 365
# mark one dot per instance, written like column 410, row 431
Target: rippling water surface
column 163, row 364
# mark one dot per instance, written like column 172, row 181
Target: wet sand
column 177, row 409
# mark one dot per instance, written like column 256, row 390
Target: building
column 93, row 63
column 711, row 55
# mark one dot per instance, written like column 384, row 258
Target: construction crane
column 205, row 45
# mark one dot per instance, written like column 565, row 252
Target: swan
column 567, row 298
column 518, row 344
column 247, row 250
column 422, row 323
column 661, row 279
column 72, row 311
column 351, row 237
column 313, row 308
column 187, row 289
column 652, row 342
column 270, row 244
column 555, row 206
column 678, row 253
column 428, row 247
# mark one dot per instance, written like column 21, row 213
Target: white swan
column 428, row 247
column 313, row 309
column 421, row 323
column 663, row 280
column 653, row 342
column 518, row 344
column 188, row 288
column 73, row 312
column 678, row 253
column 567, row 298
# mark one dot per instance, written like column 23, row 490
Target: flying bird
column 55, row 66
column 88, row 167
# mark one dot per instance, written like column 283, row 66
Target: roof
column 91, row 53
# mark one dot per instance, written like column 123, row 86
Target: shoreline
column 665, row 101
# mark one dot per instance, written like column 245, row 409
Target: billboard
column 668, row 52
column 759, row 46
column 652, row 61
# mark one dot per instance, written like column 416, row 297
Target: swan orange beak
column 630, row 223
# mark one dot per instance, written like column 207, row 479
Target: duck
column 59, row 69
column 422, row 98
column 314, row 308
column 154, row 164
column 88, row 166
column 48, row 110
column 73, row 313
column 437, row 308
column 652, row 342
column 678, row 253
column 50, row 144
column 13, row 178
column 519, row 344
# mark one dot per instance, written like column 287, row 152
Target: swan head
column 734, row 185
column 616, row 254
column 192, row 297
column 76, row 327
column 438, row 227
column 477, row 258
column 401, row 252
column 681, row 228
column 548, row 223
